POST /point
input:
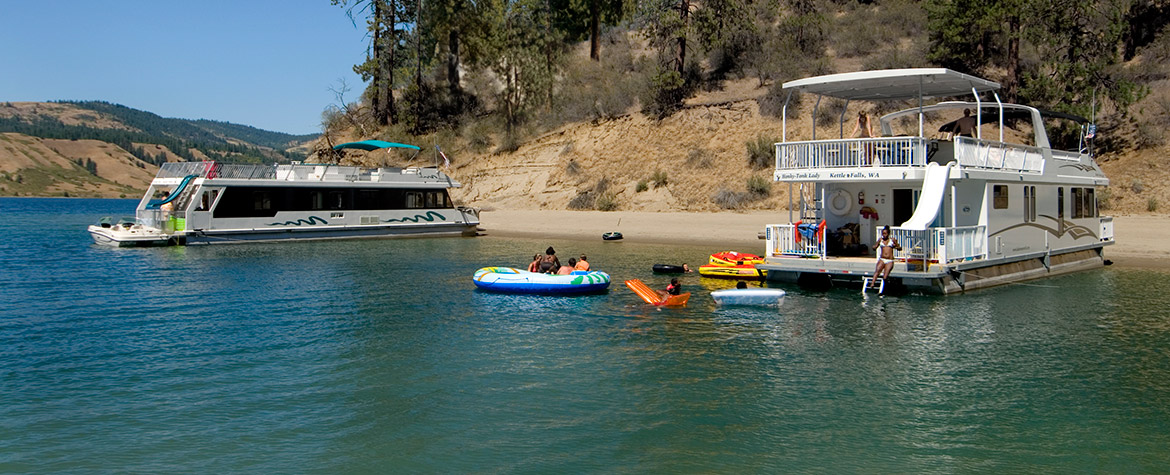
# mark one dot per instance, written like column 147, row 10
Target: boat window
column 1060, row 204
column 413, row 200
column 1030, row 214
column 261, row 200
column 430, row 200
column 336, row 200
column 1000, row 195
column 1084, row 203
column 207, row 200
column 316, row 200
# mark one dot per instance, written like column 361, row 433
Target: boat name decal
column 311, row 221
column 855, row 175
column 790, row 176
column 429, row 217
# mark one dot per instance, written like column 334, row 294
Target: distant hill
column 93, row 148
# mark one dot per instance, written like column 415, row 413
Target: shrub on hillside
column 700, row 158
column 759, row 186
column 761, row 152
column 642, row 186
column 658, row 179
column 668, row 89
column 728, row 199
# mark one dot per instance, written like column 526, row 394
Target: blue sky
column 265, row 63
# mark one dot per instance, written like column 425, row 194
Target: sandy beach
column 1141, row 241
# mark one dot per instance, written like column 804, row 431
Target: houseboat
column 191, row 203
column 1010, row 202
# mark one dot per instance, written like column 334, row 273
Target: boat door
column 200, row 216
column 904, row 201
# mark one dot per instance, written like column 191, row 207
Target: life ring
column 841, row 202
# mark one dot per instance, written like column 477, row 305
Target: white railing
column 938, row 245
column 326, row 173
column 782, row 242
column 1106, row 228
column 971, row 152
column 851, row 153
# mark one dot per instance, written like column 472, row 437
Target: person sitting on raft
column 549, row 263
column 567, row 270
column 582, row 264
column 534, row 266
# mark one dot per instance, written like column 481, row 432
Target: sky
column 269, row 64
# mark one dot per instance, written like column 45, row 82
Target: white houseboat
column 212, row 203
column 1000, row 206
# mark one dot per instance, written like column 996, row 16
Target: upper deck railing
column 909, row 152
column 972, row 152
column 851, row 153
column 327, row 173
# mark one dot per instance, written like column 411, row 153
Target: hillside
column 702, row 151
column 98, row 149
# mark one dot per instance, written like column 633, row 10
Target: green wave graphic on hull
column 429, row 217
column 311, row 221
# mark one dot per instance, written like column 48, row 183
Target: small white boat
column 129, row 233
column 757, row 297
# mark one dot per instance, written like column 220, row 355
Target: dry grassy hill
column 702, row 151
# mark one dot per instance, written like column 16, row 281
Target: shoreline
column 1140, row 241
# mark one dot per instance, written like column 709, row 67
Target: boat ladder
column 870, row 282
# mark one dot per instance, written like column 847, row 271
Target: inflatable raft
column 746, row 271
column 760, row 297
column 510, row 280
column 732, row 258
column 652, row 297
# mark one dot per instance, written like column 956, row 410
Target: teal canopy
column 373, row 145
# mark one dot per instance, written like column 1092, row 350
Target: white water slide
column 934, row 186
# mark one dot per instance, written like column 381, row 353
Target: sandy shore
column 1142, row 241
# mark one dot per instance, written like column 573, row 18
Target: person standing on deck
column 864, row 130
column 965, row 126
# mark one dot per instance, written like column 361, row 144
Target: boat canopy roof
column 374, row 145
column 895, row 84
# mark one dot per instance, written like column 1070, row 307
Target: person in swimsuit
column 864, row 130
column 534, row 266
column 549, row 263
column 581, row 264
column 885, row 246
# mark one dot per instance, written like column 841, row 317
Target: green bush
column 658, row 179
column 761, row 152
column 642, row 186
column 668, row 89
column 758, row 185
column 1152, row 205
column 607, row 202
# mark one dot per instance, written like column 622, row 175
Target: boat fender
column 840, row 203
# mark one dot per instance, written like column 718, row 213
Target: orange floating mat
column 652, row 297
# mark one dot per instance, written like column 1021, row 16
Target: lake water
column 382, row 356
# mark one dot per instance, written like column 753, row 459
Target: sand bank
column 1142, row 241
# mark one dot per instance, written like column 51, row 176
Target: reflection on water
column 346, row 356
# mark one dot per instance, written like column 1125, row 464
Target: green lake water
column 381, row 355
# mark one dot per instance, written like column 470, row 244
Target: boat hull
column 733, row 258
column 516, row 281
column 751, row 297
column 136, row 236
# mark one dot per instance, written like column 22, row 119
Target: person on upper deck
column 864, row 128
column 966, row 125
